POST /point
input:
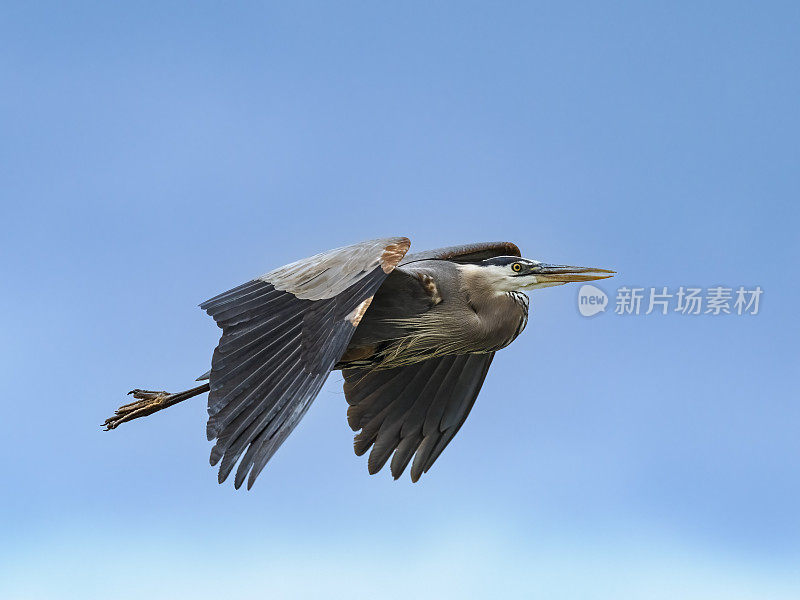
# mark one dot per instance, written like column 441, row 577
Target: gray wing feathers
column 330, row 273
column 277, row 349
column 468, row 253
column 412, row 411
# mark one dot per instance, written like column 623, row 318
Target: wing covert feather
column 468, row 253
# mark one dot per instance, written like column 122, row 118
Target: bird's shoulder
column 439, row 280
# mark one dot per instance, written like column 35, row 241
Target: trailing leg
column 149, row 402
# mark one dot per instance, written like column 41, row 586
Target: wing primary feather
column 377, row 408
column 245, row 335
column 258, row 341
column 252, row 310
column 224, row 399
column 262, row 289
column 236, row 291
column 239, row 431
column 368, row 407
column 360, row 383
column 451, row 433
column 258, row 443
column 280, row 436
column 415, row 417
column 226, row 366
column 402, row 456
column 461, row 392
column 412, row 411
column 249, row 429
column 434, row 415
column 421, row 457
column 234, row 321
column 389, row 433
column 235, row 406
column 232, row 301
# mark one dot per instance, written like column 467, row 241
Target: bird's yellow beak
column 556, row 274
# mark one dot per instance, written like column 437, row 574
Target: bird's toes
column 147, row 402
column 147, row 394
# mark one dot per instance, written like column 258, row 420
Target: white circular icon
column 591, row 300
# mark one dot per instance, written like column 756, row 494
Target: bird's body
column 434, row 308
column 413, row 336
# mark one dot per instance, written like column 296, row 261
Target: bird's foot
column 148, row 402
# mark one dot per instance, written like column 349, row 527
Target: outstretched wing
column 414, row 410
column 469, row 253
column 281, row 335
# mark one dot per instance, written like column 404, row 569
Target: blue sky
column 154, row 156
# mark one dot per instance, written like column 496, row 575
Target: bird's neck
column 487, row 286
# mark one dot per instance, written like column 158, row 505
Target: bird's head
column 512, row 273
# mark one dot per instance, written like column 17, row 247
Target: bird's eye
column 516, row 267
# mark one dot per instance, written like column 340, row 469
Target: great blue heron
column 413, row 335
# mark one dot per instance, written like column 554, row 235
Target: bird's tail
column 148, row 402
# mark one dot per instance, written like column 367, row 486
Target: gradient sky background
column 154, row 155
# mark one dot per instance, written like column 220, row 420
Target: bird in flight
column 413, row 335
